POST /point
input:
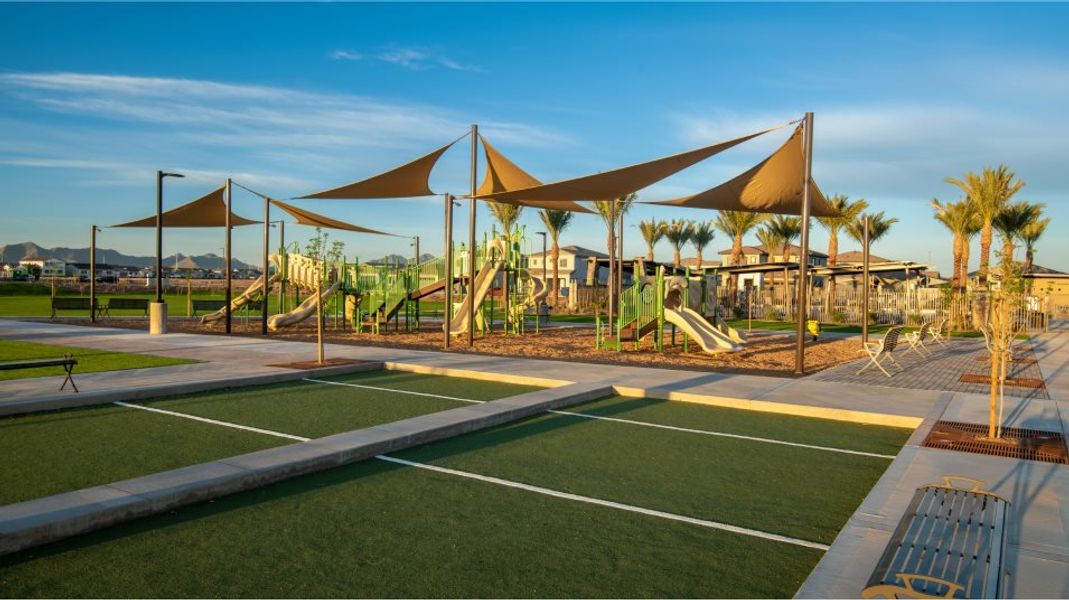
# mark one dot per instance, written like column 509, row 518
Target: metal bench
column 951, row 543
column 208, row 306
column 882, row 349
column 125, row 304
column 72, row 303
column 67, row 362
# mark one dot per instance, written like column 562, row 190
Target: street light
column 158, row 311
column 93, row 229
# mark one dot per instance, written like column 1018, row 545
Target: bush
column 772, row 315
column 837, row 316
column 914, row 319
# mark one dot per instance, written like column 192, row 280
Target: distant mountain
column 394, row 259
column 13, row 253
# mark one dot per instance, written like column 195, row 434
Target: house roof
column 795, row 249
column 857, row 256
column 577, row 251
column 693, row 262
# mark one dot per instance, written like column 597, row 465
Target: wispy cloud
column 413, row 59
column 346, row 55
column 408, row 58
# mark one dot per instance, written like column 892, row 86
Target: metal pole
column 282, row 262
column 418, row 283
column 159, row 236
column 620, row 269
column 266, row 266
column 803, row 266
column 92, row 273
column 471, row 237
column 865, row 282
column 612, row 264
column 229, row 281
column 447, row 310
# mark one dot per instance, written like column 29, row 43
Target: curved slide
column 303, row 311
column 484, row 280
column 711, row 339
column 242, row 300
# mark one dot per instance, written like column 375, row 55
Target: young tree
column 961, row 220
column 736, row 224
column 701, row 235
column 317, row 245
column 507, row 215
column 1030, row 236
column 556, row 221
column 605, row 209
column 678, row 233
column 787, row 229
column 879, row 225
column 988, row 193
column 652, row 232
column 1012, row 222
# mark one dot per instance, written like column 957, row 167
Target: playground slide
column 303, row 311
column 735, row 335
column 708, row 337
column 541, row 290
column 242, row 300
column 484, row 280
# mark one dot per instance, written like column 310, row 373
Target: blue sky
column 294, row 98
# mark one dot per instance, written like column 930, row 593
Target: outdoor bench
column 67, row 362
column 951, row 543
column 207, row 306
column 125, row 304
column 73, row 303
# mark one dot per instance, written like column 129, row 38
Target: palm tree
column 736, row 224
column 506, row 215
column 678, row 233
column 989, row 193
column 1030, row 236
column 556, row 221
column 652, row 232
column 1012, row 222
column 848, row 211
column 963, row 222
column 787, row 229
column 772, row 240
column 879, row 225
column 605, row 210
column 700, row 236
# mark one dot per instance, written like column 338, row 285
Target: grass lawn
column 89, row 360
column 317, row 410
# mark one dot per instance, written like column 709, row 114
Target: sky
column 290, row 99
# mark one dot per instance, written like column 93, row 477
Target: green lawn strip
column 380, row 530
column 804, row 430
column 89, row 360
column 316, row 409
column 808, row 494
column 51, row 453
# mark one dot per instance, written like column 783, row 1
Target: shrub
column 837, row 316
column 772, row 315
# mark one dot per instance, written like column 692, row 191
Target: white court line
column 609, row 504
column 515, row 484
column 214, row 422
column 630, row 422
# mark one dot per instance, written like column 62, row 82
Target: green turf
column 805, row 430
column 51, row 453
column 793, row 491
column 378, row 530
column 89, row 360
column 316, row 410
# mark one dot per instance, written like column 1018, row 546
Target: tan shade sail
column 503, row 175
column 618, row 182
column 307, row 217
column 407, row 181
column 207, row 211
column 773, row 186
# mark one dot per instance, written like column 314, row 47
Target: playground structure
column 680, row 301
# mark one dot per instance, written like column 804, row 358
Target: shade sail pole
column 612, row 269
column 803, row 266
column 229, row 282
column 159, row 236
column 447, row 311
column 865, row 283
column 471, row 235
column 266, row 267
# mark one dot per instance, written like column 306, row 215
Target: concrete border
column 782, row 408
column 477, row 375
column 44, row 520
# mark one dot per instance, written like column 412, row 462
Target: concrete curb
column 43, row 520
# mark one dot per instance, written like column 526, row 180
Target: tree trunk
column 649, row 253
column 675, row 258
column 985, row 249
column 1007, row 249
column 736, row 258
column 833, row 251
column 965, row 250
column 554, row 252
column 955, row 277
column 699, row 259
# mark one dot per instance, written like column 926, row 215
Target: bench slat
column 34, row 364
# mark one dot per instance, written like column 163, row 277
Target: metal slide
column 242, row 300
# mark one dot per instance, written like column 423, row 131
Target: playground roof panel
column 618, row 182
column 307, row 217
column 406, row 181
column 207, row 211
column 772, row 186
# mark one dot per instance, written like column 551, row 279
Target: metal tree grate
column 1027, row 444
column 1025, row 382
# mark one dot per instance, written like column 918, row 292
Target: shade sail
column 307, row 217
column 618, row 182
column 773, row 186
column 407, row 181
column 207, row 211
column 503, row 175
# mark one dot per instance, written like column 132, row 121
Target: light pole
column 158, row 310
column 93, row 229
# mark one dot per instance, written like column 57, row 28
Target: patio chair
column 936, row 332
column 883, row 348
column 916, row 340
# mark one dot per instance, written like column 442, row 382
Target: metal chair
column 883, row 348
column 916, row 340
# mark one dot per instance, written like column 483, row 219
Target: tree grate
column 1025, row 382
column 1027, row 444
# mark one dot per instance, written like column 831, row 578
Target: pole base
column 157, row 318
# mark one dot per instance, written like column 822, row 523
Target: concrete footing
column 157, row 318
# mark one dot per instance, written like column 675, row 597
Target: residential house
column 575, row 264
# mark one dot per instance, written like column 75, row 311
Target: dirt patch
column 766, row 353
